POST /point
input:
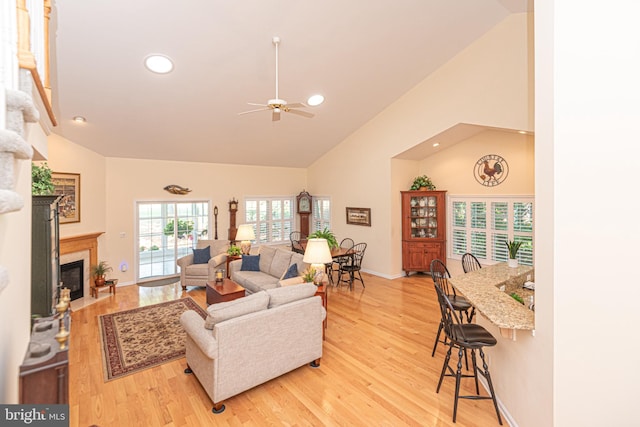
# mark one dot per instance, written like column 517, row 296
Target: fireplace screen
column 72, row 277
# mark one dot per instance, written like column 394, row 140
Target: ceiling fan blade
column 297, row 105
column 301, row 113
column 275, row 116
column 253, row 111
column 260, row 105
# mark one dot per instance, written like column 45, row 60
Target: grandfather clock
column 304, row 210
column 233, row 209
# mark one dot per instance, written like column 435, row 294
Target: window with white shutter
column 271, row 217
column 482, row 225
column 321, row 217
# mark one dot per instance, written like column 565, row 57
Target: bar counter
column 482, row 289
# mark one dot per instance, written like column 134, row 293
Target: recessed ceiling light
column 315, row 100
column 158, row 64
column 522, row 132
column 436, row 144
column 79, row 119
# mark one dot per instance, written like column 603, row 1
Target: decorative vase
column 512, row 262
column 423, row 188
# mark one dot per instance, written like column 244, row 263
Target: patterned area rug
column 137, row 339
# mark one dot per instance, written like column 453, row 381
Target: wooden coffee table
column 227, row 290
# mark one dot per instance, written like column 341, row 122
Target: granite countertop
column 482, row 289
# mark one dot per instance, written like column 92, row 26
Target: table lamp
column 318, row 255
column 245, row 234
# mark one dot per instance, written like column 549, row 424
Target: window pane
column 167, row 231
column 459, row 242
column 500, row 219
column 523, row 217
column 459, row 214
column 478, row 215
column 479, row 244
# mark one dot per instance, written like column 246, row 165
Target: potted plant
column 234, row 250
column 422, row 183
column 309, row 274
column 325, row 234
column 99, row 273
column 41, row 183
column 513, row 247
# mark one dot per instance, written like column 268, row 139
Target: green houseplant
column 41, row 182
column 309, row 274
column 422, row 182
column 234, row 250
column 99, row 271
column 325, row 234
column 513, row 247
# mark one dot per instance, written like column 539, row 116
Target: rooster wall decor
column 491, row 170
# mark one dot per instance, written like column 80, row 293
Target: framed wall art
column 68, row 186
column 359, row 216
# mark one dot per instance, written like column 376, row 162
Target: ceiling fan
column 277, row 105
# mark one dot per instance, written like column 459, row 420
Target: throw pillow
column 222, row 311
column 287, row 294
column 201, row 256
column 292, row 271
column 250, row 263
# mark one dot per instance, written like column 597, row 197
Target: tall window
column 166, row 232
column 321, row 214
column 483, row 225
column 271, row 217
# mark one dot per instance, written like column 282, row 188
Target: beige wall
column 68, row 157
column 15, row 299
column 452, row 169
column 468, row 89
column 129, row 181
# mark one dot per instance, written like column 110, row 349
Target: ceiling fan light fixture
column 315, row 100
column 159, row 64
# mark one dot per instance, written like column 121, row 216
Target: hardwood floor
column 376, row 369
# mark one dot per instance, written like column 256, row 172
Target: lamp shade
column 245, row 232
column 317, row 252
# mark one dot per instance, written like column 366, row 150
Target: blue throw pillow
column 291, row 272
column 201, row 256
column 250, row 263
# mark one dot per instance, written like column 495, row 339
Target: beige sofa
column 199, row 274
column 253, row 339
column 274, row 262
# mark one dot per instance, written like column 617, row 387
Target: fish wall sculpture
column 176, row 189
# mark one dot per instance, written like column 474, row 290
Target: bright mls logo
column 36, row 415
column 491, row 170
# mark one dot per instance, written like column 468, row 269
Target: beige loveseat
column 199, row 274
column 253, row 339
column 274, row 262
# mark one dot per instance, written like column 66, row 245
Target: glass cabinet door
column 424, row 221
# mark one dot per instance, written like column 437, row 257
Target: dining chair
column 354, row 265
column 440, row 275
column 470, row 262
column 465, row 336
column 295, row 237
column 346, row 244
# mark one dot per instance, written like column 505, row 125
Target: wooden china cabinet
column 423, row 229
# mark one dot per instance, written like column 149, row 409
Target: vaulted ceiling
column 360, row 54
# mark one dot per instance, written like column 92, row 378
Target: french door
column 167, row 231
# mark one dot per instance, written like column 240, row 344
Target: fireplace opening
column 72, row 277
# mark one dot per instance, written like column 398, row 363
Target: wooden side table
column 229, row 259
column 322, row 293
column 227, row 290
